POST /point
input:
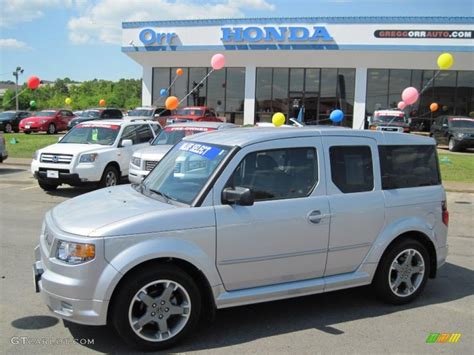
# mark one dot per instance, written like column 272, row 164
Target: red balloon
column 33, row 82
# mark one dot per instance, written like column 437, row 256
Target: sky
column 80, row 39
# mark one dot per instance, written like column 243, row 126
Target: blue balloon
column 163, row 92
column 336, row 116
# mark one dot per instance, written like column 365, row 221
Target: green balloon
column 32, row 103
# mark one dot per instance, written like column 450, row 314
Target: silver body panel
column 248, row 254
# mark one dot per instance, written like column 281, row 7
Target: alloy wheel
column 406, row 272
column 110, row 179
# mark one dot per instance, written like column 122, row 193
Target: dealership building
column 307, row 65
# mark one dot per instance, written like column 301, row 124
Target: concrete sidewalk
column 451, row 186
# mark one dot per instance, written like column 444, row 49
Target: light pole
column 16, row 73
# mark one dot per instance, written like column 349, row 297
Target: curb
column 11, row 162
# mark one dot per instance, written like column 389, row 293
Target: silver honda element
column 244, row 216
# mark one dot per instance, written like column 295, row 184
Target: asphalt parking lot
column 340, row 322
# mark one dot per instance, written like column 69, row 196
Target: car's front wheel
column 110, row 177
column 156, row 308
column 51, row 128
column 402, row 272
column 452, row 145
column 8, row 128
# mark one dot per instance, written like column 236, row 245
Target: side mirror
column 238, row 195
column 157, row 115
column 126, row 143
column 60, row 139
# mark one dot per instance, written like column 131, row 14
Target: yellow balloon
column 278, row 119
column 68, row 101
column 445, row 61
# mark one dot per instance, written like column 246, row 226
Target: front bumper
column 72, row 174
column 64, row 178
column 34, row 128
column 136, row 176
column 464, row 142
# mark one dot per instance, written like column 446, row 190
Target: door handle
column 315, row 216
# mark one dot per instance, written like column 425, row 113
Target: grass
column 27, row 144
column 457, row 167
column 454, row 167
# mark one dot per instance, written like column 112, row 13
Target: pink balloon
column 401, row 105
column 217, row 61
column 410, row 95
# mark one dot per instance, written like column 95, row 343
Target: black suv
column 455, row 131
column 9, row 120
column 96, row 114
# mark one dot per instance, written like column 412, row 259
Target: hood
column 462, row 130
column 153, row 152
column 37, row 118
column 72, row 148
column 89, row 212
column 81, row 119
column 184, row 117
column 2, row 119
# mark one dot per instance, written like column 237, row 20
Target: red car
column 195, row 114
column 50, row 121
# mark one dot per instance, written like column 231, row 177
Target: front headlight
column 460, row 135
column 75, row 253
column 136, row 161
column 88, row 158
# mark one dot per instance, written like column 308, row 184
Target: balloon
column 445, row 61
column 179, row 72
column 434, row 107
column 401, row 105
column 410, row 95
column 32, row 103
column 172, row 103
column 68, row 101
column 217, row 61
column 163, row 92
column 336, row 116
column 33, row 82
column 102, row 102
column 278, row 119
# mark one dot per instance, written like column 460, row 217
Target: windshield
column 92, row 134
column 90, row 113
column 7, row 115
column 461, row 122
column 189, row 112
column 140, row 112
column 172, row 135
column 387, row 119
column 45, row 113
column 184, row 171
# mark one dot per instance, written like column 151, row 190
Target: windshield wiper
column 159, row 193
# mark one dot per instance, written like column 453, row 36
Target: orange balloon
column 434, row 107
column 102, row 102
column 172, row 103
column 179, row 71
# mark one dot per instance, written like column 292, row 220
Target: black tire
column 27, row 132
column 381, row 279
column 8, row 128
column 452, row 146
column 47, row 187
column 106, row 176
column 122, row 301
column 51, row 129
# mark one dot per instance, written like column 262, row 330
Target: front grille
column 56, row 158
column 63, row 171
column 150, row 164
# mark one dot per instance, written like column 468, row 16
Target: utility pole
column 16, row 73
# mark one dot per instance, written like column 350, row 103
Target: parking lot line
column 29, row 187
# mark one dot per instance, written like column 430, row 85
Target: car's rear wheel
column 110, row 177
column 156, row 308
column 27, row 132
column 48, row 187
column 51, row 128
column 8, row 128
column 402, row 272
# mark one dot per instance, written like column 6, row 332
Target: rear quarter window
column 404, row 166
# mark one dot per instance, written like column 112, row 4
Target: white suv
column 93, row 152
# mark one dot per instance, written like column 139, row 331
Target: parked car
column 96, row 114
column 159, row 114
column 94, row 152
column 10, row 120
column 193, row 113
column 242, row 216
column 145, row 160
column 3, row 148
column 390, row 120
column 49, row 121
column 455, row 131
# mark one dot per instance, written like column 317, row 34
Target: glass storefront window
column 465, row 94
column 234, row 90
column 197, row 89
column 263, row 94
column 180, row 87
column 377, row 90
column 280, row 89
column 161, row 79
